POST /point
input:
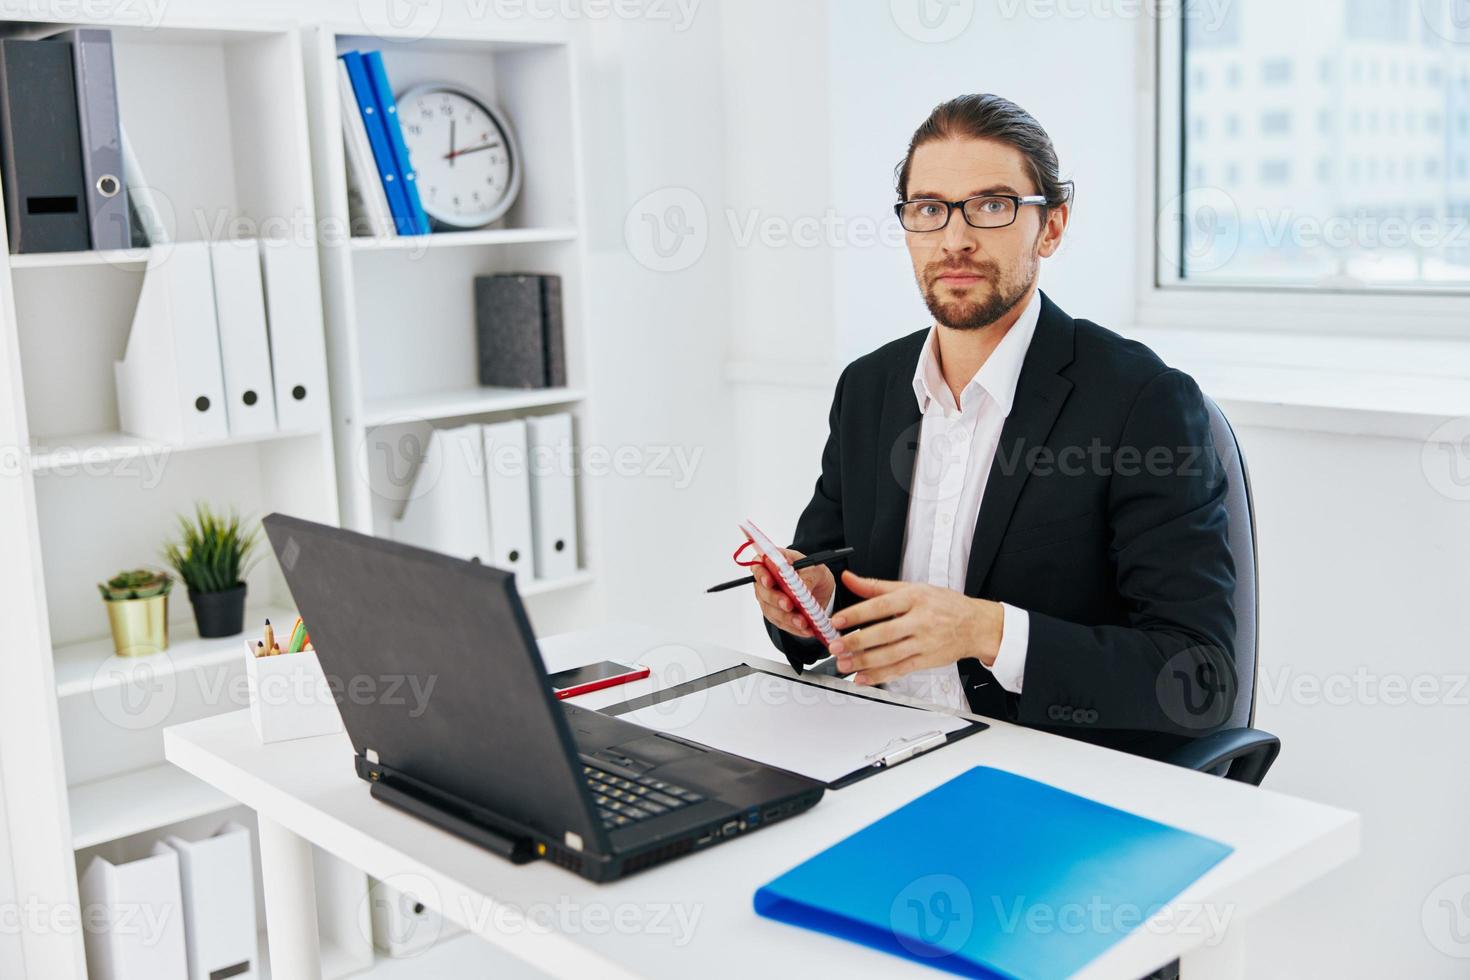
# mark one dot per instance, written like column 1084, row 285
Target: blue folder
column 993, row 875
column 377, row 134
column 383, row 93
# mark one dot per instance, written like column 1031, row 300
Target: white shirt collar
column 997, row 377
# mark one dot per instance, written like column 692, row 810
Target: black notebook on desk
column 814, row 726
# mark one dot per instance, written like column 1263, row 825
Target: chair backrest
column 1242, row 536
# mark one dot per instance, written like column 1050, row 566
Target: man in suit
column 1035, row 502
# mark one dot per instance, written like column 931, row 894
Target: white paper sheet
column 803, row 728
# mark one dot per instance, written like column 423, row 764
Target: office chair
column 1238, row 751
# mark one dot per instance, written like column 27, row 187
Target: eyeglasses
column 987, row 211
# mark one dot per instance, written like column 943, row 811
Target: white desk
column 694, row 915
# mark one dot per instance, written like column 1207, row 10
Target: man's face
column 971, row 277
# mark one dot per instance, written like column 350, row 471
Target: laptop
column 452, row 719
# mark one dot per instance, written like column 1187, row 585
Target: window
column 1276, row 123
column 1276, row 71
column 1276, row 172
column 1346, row 158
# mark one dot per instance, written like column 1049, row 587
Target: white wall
column 1076, row 76
column 1361, row 559
column 1363, row 583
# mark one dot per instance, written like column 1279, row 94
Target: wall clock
column 464, row 153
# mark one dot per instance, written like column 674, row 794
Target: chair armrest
column 1248, row 751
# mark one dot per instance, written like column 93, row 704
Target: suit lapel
column 1040, row 393
column 897, row 449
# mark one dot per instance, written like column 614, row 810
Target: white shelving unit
column 217, row 117
column 237, row 126
column 134, row 802
column 400, row 311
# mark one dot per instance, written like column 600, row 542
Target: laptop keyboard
column 621, row 800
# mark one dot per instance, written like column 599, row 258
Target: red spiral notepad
column 787, row 579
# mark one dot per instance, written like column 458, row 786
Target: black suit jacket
column 1103, row 517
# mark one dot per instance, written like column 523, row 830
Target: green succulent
column 140, row 583
column 213, row 553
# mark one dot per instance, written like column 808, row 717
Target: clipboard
column 931, row 728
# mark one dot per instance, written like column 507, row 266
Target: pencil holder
column 289, row 696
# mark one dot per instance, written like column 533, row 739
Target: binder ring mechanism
column 899, row 749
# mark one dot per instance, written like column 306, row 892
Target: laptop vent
column 658, row 855
column 565, row 858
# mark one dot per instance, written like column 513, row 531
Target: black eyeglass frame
column 1017, row 202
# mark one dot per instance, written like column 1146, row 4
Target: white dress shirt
column 957, row 445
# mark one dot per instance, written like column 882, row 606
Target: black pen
column 820, row 558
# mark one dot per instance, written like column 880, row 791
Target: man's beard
column 968, row 315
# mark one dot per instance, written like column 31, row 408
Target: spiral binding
column 789, row 576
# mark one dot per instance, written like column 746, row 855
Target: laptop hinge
column 444, row 813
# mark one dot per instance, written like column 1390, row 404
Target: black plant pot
column 219, row 613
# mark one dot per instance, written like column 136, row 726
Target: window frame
column 1166, row 299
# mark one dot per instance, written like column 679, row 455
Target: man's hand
column 781, row 611
column 917, row 626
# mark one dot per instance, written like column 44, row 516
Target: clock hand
column 450, row 155
column 473, row 149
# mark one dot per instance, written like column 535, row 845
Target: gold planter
column 139, row 626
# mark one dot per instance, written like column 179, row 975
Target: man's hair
column 991, row 117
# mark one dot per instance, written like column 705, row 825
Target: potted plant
column 212, row 557
column 137, row 610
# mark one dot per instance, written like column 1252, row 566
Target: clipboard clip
column 899, row 749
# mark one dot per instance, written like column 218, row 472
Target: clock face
column 468, row 170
